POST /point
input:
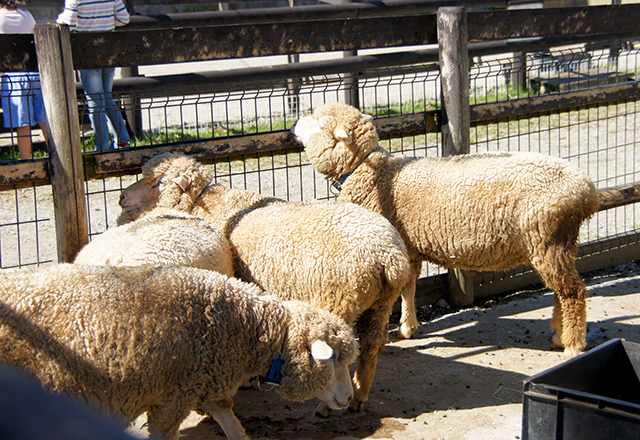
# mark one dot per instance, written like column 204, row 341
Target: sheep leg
column 574, row 324
column 556, row 323
column 569, row 321
column 222, row 412
column 164, row 420
column 372, row 329
column 408, row 319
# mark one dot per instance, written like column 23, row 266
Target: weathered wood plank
column 194, row 40
column 554, row 102
column 158, row 46
column 407, row 125
column 24, row 173
column 619, row 196
column 105, row 163
column 525, row 23
column 203, row 150
column 17, row 53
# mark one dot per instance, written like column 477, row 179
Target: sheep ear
column 367, row 118
column 320, row 351
column 341, row 134
column 183, row 182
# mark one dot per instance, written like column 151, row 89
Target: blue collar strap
column 275, row 372
column 337, row 184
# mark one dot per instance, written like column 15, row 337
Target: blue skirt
column 22, row 102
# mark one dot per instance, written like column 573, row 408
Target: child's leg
column 24, row 141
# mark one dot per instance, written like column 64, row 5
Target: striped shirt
column 93, row 15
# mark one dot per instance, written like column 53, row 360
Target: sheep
column 339, row 257
column 162, row 237
column 163, row 340
column 484, row 211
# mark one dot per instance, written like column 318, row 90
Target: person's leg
column 24, row 141
column 113, row 111
column 92, row 84
column 38, row 106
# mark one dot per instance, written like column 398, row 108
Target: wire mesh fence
column 600, row 139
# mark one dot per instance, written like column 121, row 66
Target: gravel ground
column 460, row 377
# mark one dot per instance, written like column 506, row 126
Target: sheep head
column 168, row 180
column 317, row 353
column 337, row 138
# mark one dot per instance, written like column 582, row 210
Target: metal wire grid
column 601, row 139
column 25, row 214
column 27, row 230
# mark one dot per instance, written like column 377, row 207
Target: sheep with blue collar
column 129, row 340
column 487, row 211
column 340, row 257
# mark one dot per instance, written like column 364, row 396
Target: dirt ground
column 460, row 377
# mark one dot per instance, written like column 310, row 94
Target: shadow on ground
column 473, row 360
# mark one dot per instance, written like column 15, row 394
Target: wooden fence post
column 454, row 73
column 53, row 49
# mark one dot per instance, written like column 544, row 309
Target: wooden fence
column 282, row 31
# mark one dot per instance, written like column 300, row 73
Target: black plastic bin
column 595, row 396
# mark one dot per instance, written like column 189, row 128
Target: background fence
column 566, row 86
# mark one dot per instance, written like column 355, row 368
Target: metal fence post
column 454, row 74
column 293, row 84
column 131, row 104
column 351, row 86
column 53, row 49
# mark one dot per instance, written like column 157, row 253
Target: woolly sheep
column 339, row 257
column 164, row 237
column 126, row 340
column 488, row 211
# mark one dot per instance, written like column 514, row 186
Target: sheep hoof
column 323, row 411
column 570, row 353
column 356, row 406
column 406, row 331
column 322, row 415
column 556, row 342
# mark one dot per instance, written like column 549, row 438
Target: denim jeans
column 98, row 84
column 22, row 102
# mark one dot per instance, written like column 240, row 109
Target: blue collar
column 275, row 373
column 337, row 184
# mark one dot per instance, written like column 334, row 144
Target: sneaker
column 123, row 145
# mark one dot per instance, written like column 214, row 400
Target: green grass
column 408, row 107
column 12, row 154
